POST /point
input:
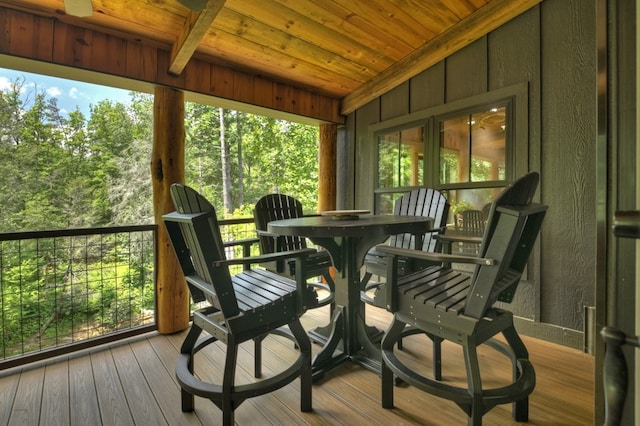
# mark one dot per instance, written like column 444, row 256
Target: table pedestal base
column 333, row 354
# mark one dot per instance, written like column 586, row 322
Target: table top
column 326, row 226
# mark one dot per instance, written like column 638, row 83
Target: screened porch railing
column 67, row 290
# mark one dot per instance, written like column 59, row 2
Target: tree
column 130, row 191
column 226, row 167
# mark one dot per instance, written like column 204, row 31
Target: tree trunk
column 226, row 167
column 167, row 167
column 239, row 119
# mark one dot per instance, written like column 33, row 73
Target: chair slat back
column 195, row 234
column 473, row 223
column 422, row 202
column 276, row 207
column 512, row 228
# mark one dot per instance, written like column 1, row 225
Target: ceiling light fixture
column 80, row 8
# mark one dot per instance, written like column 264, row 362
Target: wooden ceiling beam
column 486, row 19
column 194, row 30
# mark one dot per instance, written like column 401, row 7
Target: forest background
column 71, row 171
column 66, row 170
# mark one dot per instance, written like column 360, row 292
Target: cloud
column 74, row 93
column 5, row 83
column 54, row 92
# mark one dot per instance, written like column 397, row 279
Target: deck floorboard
column 134, row 383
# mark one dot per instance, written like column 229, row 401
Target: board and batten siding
column 549, row 50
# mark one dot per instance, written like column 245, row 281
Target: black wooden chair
column 418, row 202
column 472, row 226
column 246, row 306
column 280, row 206
column 460, row 308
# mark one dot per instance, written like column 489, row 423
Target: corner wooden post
column 167, row 167
column 327, row 167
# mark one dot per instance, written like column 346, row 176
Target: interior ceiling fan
column 82, row 8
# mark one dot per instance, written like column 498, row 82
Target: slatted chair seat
column 246, row 306
column 451, row 305
column 418, row 202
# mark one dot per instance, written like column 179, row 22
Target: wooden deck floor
column 134, row 383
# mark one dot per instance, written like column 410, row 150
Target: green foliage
column 266, row 155
column 71, row 171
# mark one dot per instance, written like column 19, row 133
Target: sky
column 69, row 93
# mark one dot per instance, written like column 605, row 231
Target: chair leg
column 392, row 335
column 188, row 401
column 189, row 342
column 230, row 363
column 437, row 356
column 474, row 383
column 257, row 359
column 306, row 380
column 520, row 409
column 387, row 386
column 332, row 287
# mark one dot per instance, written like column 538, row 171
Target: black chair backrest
column 422, row 202
column 512, row 229
column 473, row 223
column 276, row 207
column 195, row 234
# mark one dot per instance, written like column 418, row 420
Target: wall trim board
column 550, row 333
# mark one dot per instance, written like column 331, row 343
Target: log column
column 327, row 167
column 167, row 167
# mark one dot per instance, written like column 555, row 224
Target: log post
column 167, row 167
column 327, row 167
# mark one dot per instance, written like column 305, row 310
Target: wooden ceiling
column 352, row 50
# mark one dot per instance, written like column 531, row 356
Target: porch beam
column 486, row 19
column 167, row 167
column 194, row 30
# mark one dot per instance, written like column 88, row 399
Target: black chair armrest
column 458, row 239
column 263, row 233
column 434, row 257
column 245, row 243
column 252, row 260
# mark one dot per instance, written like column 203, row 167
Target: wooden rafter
column 486, row 19
column 194, row 30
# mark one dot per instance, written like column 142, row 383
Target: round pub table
column 347, row 238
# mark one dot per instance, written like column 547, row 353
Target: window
column 466, row 149
column 472, row 147
column 473, row 159
column 400, row 164
column 400, row 158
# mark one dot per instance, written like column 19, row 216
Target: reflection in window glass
column 469, row 199
column 472, row 147
column 400, row 158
